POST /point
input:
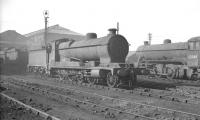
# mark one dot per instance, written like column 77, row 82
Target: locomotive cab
column 194, row 57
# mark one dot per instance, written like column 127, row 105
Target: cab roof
column 194, row 39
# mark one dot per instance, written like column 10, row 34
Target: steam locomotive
column 169, row 60
column 93, row 60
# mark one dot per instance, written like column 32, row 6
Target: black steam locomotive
column 169, row 60
column 94, row 60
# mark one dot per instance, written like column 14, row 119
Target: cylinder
column 123, row 72
column 97, row 73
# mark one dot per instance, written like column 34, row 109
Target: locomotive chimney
column 112, row 31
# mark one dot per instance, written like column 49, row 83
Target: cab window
column 198, row 45
column 192, row 46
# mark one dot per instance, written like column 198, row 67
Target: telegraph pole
column 150, row 37
column 46, row 16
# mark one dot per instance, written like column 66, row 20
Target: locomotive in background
column 169, row 60
column 95, row 60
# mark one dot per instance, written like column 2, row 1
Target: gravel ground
column 193, row 108
column 148, row 100
column 162, row 84
column 192, row 92
column 11, row 111
column 50, row 106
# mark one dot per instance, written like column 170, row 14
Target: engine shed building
column 36, row 38
column 12, row 39
column 13, row 52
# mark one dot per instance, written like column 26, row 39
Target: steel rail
column 66, row 98
column 141, row 93
column 36, row 111
column 122, row 100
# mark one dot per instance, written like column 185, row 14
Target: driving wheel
column 112, row 80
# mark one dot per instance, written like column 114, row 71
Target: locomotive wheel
column 112, row 80
column 158, row 76
column 80, row 78
column 91, row 81
column 170, row 73
column 44, row 76
column 194, row 77
column 61, row 77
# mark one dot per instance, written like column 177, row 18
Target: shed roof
column 195, row 38
column 54, row 29
column 11, row 38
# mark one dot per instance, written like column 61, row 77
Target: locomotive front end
column 193, row 58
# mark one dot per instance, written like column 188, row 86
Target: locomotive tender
column 171, row 60
column 95, row 60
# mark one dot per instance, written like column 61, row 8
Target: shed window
column 198, row 45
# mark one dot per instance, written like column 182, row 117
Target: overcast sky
column 177, row 20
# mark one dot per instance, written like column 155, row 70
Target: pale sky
column 177, row 20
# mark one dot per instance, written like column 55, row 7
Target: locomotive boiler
column 109, row 49
column 94, row 60
column 171, row 60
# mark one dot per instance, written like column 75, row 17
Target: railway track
column 37, row 112
column 49, row 105
column 108, row 112
column 110, row 107
column 168, row 95
column 176, row 81
column 148, row 92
